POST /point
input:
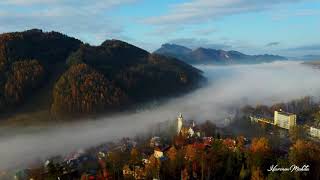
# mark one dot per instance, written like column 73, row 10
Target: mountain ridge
column 202, row 55
column 82, row 79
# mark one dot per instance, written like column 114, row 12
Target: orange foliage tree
column 24, row 77
column 256, row 174
column 306, row 153
column 82, row 89
column 260, row 153
column 260, row 145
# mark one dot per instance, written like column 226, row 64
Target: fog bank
column 228, row 86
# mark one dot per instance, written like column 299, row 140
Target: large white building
column 285, row 120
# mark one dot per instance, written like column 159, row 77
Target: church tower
column 179, row 123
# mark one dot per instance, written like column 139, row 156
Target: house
column 126, row 171
column 207, row 141
column 158, row 153
column 101, row 155
column 155, row 141
column 314, row 132
column 284, row 119
column 191, row 132
column 145, row 161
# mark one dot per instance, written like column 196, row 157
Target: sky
column 285, row 27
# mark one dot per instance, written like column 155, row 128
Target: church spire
column 179, row 123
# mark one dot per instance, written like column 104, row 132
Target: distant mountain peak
column 174, row 45
column 213, row 56
column 173, row 50
column 34, row 30
column 113, row 42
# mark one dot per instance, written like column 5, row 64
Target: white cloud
column 87, row 20
column 205, row 31
column 196, row 11
column 71, row 3
column 27, row 2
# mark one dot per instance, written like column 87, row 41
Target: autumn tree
column 278, row 107
column 135, row 156
column 260, row 153
column 172, row 153
column 297, row 132
column 216, row 159
column 24, row 77
column 153, row 167
column 244, row 173
column 179, row 140
column 47, row 47
column 27, row 59
column 256, row 174
column 240, row 142
column 171, row 167
column 84, row 90
column 304, row 152
column 281, row 162
column 115, row 162
column 191, row 153
column 114, row 72
column 316, row 117
column 208, row 128
column 260, row 145
column 263, row 110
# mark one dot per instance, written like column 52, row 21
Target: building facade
column 257, row 119
column 285, row 120
column 314, row 132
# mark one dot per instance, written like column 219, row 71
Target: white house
column 314, row 132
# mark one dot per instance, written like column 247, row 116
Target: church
column 187, row 129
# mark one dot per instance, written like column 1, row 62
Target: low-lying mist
column 228, row 87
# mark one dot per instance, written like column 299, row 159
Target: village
column 142, row 163
column 190, row 151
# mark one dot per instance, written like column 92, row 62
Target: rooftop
column 285, row 113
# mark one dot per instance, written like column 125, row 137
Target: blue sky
column 285, row 27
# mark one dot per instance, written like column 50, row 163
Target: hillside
column 30, row 61
column 53, row 72
column 213, row 56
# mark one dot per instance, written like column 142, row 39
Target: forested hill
column 66, row 76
